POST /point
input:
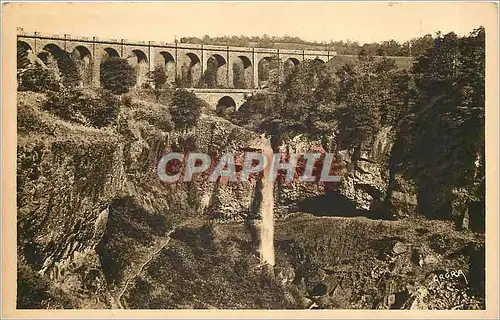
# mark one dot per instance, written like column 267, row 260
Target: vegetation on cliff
column 97, row 229
column 435, row 111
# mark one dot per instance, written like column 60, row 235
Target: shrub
column 254, row 110
column 38, row 79
column 127, row 100
column 209, row 77
column 163, row 96
column 155, row 114
column 146, row 85
column 239, row 76
column 31, row 119
column 33, row 291
column 117, row 75
column 225, row 111
column 95, row 108
column 186, row 109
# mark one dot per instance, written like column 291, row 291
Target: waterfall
column 266, row 213
column 266, row 234
column 262, row 217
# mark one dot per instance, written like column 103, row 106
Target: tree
column 302, row 108
column 95, row 108
column 391, row 48
column 302, row 103
column 371, row 95
column 159, row 76
column 116, row 75
column 209, row 77
column 70, row 75
column 239, row 76
column 186, row 78
column 186, row 109
column 23, row 61
column 266, row 67
column 255, row 110
column 441, row 141
column 419, row 46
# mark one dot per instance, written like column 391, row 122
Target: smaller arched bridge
column 240, row 71
column 224, row 98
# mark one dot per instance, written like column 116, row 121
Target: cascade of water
column 266, row 243
column 266, row 210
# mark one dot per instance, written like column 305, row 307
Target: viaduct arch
column 227, row 75
column 183, row 63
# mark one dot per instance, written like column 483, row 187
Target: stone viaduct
column 239, row 71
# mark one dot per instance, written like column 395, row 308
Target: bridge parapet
column 266, row 50
column 209, row 90
column 83, row 39
column 161, row 44
column 102, row 40
column 214, row 47
column 290, row 51
column 56, row 36
column 134, row 42
column 189, row 46
column 315, row 52
column 241, row 49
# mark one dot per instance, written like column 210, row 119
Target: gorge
column 98, row 229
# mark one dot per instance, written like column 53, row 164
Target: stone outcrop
column 366, row 180
column 401, row 200
column 92, row 212
column 363, row 184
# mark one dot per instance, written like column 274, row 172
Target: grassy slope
column 211, row 266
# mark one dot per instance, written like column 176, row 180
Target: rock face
column 291, row 196
column 460, row 208
column 401, row 199
column 90, row 204
column 64, row 183
column 363, row 185
column 94, row 222
column 228, row 200
column 358, row 263
column 366, row 183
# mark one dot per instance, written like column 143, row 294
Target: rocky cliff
column 97, row 229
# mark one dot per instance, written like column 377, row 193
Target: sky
column 313, row 21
